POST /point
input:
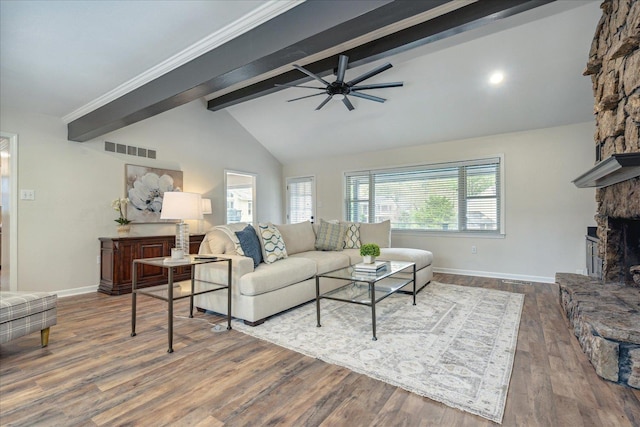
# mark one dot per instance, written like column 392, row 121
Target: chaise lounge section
column 260, row 290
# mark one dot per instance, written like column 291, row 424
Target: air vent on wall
column 129, row 150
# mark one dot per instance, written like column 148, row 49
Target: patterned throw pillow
column 352, row 237
column 273, row 247
column 330, row 236
column 250, row 244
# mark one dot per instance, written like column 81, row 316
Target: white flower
column 118, row 205
column 148, row 190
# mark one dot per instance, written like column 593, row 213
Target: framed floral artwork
column 145, row 189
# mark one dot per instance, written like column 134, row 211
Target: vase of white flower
column 124, row 225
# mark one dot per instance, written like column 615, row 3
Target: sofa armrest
column 217, row 271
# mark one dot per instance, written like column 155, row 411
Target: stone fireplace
column 605, row 314
column 614, row 67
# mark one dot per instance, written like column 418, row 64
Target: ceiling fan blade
column 369, row 74
column 303, row 97
column 369, row 97
column 377, row 86
column 348, row 103
column 310, row 74
column 306, row 87
column 343, row 60
column 324, row 102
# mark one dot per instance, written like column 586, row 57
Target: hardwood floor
column 94, row 373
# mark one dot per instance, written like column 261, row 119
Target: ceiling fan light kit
column 339, row 89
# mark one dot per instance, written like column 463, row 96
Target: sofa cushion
column 298, row 237
column 378, row 233
column 273, row 248
column 421, row 257
column 230, row 231
column 250, row 244
column 354, row 255
column 326, row 261
column 352, row 236
column 269, row 277
column 330, row 236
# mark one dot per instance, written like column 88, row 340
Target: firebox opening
column 623, row 249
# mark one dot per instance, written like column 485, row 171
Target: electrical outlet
column 474, row 250
column 27, row 194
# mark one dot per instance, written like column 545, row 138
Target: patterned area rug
column 456, row 346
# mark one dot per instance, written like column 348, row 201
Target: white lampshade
column 206, row 206
column 181, row 205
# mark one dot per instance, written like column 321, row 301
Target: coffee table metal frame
column 162, row 291
column 366, row 288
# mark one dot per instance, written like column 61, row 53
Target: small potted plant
column 369, row 252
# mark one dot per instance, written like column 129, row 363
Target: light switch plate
column 27, row 194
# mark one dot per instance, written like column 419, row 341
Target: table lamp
column 206, row 210
column 181, row 205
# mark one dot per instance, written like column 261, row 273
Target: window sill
column 465, row 234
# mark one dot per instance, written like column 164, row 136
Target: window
column 300, row 199
column 446, row 197
column 241, row 195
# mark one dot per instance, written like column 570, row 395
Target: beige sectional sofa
column 270, row 288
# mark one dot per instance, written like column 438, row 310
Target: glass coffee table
column 367, row 288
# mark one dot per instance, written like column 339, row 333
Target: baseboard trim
column 75, row 291
column 521, row 277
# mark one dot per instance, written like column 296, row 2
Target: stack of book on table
column 373, row 268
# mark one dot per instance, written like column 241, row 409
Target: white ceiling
column 57, row 56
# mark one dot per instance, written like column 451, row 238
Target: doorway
column 9, row 208
column 301, row 196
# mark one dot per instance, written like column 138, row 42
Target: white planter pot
column 368, row 259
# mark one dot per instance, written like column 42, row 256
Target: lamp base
column 182, row 237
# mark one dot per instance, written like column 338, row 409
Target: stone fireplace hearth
column 605, row 314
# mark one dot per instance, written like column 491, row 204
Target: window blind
column 450, row 197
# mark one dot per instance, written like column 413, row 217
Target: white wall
column 75, row 182
column 546, row 215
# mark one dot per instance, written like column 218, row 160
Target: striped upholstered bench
column 22, row 313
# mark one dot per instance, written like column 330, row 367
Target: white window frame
column 254, row 204
column 499, row 233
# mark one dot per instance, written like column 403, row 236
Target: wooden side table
column 170, row 293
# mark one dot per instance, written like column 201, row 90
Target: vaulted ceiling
column 104, row 65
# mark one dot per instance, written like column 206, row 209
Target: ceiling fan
column 340, row 89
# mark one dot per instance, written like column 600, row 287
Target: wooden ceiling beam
column 309, row 28
column 466, row 18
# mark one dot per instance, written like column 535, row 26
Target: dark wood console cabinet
column 117, row 255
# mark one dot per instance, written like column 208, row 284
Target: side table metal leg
column 133, row 301
column 372, row 287
column 229, row 269
column 170, row 302
column 318, row 301
column 193, row 289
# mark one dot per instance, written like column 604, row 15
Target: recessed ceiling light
column 496, row 78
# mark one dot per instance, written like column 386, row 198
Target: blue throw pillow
column 250, row 244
